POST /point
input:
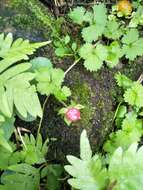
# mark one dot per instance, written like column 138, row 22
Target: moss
column 82, row 94
column 30, row 15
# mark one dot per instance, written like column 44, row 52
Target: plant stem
column 140, row 79
column 63, row 103
column 43, row 109
column 76, row 61
column 21, row 138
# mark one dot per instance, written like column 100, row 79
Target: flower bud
column 73, row 114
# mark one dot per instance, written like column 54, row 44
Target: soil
column 96, row 91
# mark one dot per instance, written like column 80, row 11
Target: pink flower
column 73, row 114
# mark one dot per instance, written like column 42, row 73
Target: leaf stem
column 75, row 62
column 63, row 103
column 43, row 109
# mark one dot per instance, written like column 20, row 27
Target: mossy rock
column 27, row 19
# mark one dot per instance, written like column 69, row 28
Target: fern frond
column 12, row 52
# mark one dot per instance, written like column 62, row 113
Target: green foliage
column 34, row 150
column 94, row 56
column 87, row 172
column 133, row 95
column 21, row 176
column 79, row 15
column 99, row 19
column 137, row 17
column 49, row 80
column 6, row 130
column 98, row 28
column 123, row 81
column 126, row 169
column 9, row 158
column 133, row 90
column 114, row 54
column 130, row 132
column 132, row 44
column 63, row 46
column 52, row 173
column 113, row 30
column 126, row 117
column 15, row 88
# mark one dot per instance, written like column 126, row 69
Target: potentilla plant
column 104, row 37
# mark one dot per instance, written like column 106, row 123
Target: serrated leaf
column 130, row 132
column 100, row 16
column 90, row 169
column 20, row 175
column 126, row 168
column 132, row 44
column 34, row 152
column 3, row 141
column 94, row 57
column 133, row 95
column 53, row 173
column 113, row 30
column 114, row 54
column 79, row 15
column 95, row 30
column 122, row 110
column 90, row 33
column 123, row 81
column 50, row 82
column 137, row 18
column 62, row 93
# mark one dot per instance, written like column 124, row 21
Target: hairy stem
column 43, row 109
column 70, row 68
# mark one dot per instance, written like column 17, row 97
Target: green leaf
column 90, row 33
column 95, row 30
column 79, row 15
column 62, row 93
column 134, row 95
column 50, row 82
column 34, row 150
column 20, row 175
column 39, row 62
column 126, row 168
column 52, row 172
column 94, row 57
column 90, row 169
column 12, row 52
column 67, row 39
column 114, row 54
column 100, row 17
column 113, row 30
column 137, row 18
column 9, row 158
column 132, row 44
column 123, row 81
column 122, row 110
column 4, row 142
column 16, row 90
column 61, row 51
column 8, row 127
column 85, row 149
column 131, row 132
